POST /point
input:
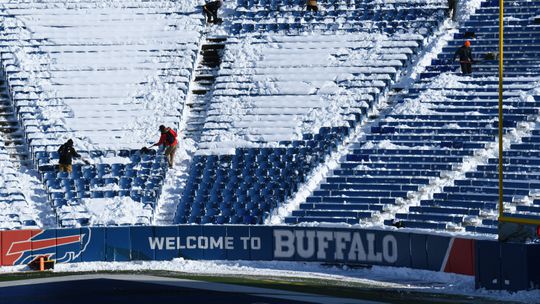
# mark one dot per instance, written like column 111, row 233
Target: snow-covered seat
column 139, row 179
column 469, row 201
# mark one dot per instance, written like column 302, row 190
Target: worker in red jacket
column 169, row 141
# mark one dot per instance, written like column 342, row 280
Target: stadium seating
column 282, row 88
column 103, row 75
column 17, row 211
column 139, row 177
column 441, row 125
column 474, row 199
column 335, row 16
column 289, row 88
column 98, row 69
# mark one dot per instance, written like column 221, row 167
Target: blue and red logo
column 22, row 246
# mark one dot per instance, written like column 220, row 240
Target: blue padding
column 533, row 260
column 238, row 234
column 117, row 244
column 488, row 272
column 403, row 249
column 189, row 247
column 140, row 243
column 95, row 247
column 514, row 266
column 215, row 242
column 69, row 243
column 262, row 238
column 165, row 243
column 418, row 251
column 437, row 247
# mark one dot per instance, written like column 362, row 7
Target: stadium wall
column 508, row 266
column 494, row 264
column 235, row 242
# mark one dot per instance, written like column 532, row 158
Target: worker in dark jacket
column 210, row 10
column 169, row 141
column 464, row 53
column 66, row 154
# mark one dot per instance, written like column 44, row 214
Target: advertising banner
column 231, row 242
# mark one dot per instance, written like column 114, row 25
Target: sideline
column 193, row 284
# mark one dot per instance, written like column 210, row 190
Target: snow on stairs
column 10, row 129
column 173, row 187
column 201, row 92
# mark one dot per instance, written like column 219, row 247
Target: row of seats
column 431, row 132
column 82, row 53
column 270, row 5
column 388, row 22
column 16, row 210
column 243, row 188
column 139, row 176
column 277, row 93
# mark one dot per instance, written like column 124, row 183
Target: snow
column 174, row 184
column 107, row 211
column 304, row 70
column 22, row 195
column 80, row 55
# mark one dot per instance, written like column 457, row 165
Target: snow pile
column 452, row 81
column 105, row 212
column 413, row 106
column 384, row 144
column 118, row 210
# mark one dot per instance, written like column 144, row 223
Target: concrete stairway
column 10, row 129
column 201, row 92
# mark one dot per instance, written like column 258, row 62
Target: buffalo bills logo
column 63, row 246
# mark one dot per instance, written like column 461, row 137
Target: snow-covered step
column 11, row 131
column 203, row 85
